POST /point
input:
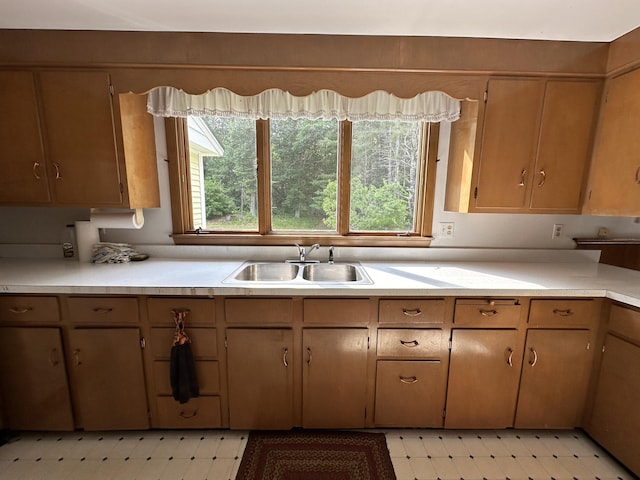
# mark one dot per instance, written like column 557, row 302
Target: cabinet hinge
column 111, row 90
column 143, row 343
column 475, row 193
column 604, row 347
column 368, row 343
column 365, row 413
column 225, row 342
column 486, row 95
column 590, row 191
column 588, row 346
column 121, row 187
column 444, row 412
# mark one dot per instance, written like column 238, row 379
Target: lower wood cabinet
column 260, row 378
column 555, row 378
column 334, row 377
column 615, row 421
column 106, row 368
column 35, row 391
column 484, row 374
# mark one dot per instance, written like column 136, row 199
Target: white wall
column 30, row 225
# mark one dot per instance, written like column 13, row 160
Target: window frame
column 180, row 192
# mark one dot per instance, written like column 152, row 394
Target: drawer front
column 200, row 412
column 337, row 311
column 498, row 313
column 404, row 343
column 259, row 311
column 411, row 311
column 564, row 313
column 204, row 342
column 104, row 310
column 207, row 373
column 29, row 309
column 625, row 322
column 202, row 311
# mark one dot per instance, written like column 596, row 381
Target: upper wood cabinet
column 614, row 181
column 62, row 144
column 535, row 144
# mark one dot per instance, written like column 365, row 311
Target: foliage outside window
column 299, row 180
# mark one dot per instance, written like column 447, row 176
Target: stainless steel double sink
column 301, row 273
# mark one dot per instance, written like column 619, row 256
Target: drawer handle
column 408, row 379
column 563, row 313
column 523, row 175
column 20, row 310
column 57, row 167
column 412, row 313
column 54, row 358
column 102, row 310
column 510, row 357
column 488, row 313
column 36, row 170
column 284, row 357
column 534, row 359
column 543, row 178
column 187, row 416
column 411, row 344
column 309, row 356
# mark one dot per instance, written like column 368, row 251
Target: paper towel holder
column 137, row 215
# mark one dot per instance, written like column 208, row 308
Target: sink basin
column 268, row 272
column 327, row 272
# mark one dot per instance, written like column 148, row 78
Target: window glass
column 385, row 160
column 228, row 177
column 304, row 159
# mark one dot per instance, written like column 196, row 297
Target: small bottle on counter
column 69, row 242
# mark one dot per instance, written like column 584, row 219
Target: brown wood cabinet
column 484, row 373
column 260, row 371
column 614, row 181
column 61, row 147
column 536, row 140
column 34, row 385
column 108, row 379
column 614, row 421
column 555, row 377
column 334, row 377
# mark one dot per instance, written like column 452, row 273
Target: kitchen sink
column 267, row 272
column 306, row 273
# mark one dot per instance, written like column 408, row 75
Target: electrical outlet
column 446, row 230
column 557, row 230
column 603, row 232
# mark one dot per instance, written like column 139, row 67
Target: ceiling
column 579, row 20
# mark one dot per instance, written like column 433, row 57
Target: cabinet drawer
column 201, row 310
column 488, row 313
column 409, row 343
column 207, row 373
column 259, row 311
column 200, row 412
column 204, row 342
column 564, row 313
column 626, row 322
column 29, row 309
column 410, row 394
column 337, row 311
column 411, row 311
column 104, row 310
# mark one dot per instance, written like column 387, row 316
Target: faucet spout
column 302, row 253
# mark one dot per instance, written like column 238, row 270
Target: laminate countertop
column 202, row 277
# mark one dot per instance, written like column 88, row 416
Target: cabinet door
column 614, row 184
column 334, row 378
column 564, row 147
column 615, row 422
column 554, row 379
column 34, row 384
column 80, row 140
column 259, row 363
column 484, row 373
column 510, row 136
column 108, row 378
column 24, row 173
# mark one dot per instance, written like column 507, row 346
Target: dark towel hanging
column 184, row 383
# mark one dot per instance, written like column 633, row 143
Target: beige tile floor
column 216, row 454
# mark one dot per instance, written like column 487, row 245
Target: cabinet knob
column 58, row 174
column 523, row 176
column 543, row 178
column 411, row 312
column 410, row 344
column 534, row 359
column 510, row 357
column 36, row 170
column 309, row 356
column 284, row 357
column 408, row 379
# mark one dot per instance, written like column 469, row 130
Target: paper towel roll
column 117, row 219
column 86, row 236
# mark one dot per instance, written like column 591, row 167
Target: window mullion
column 344, row 178
column 263, row 154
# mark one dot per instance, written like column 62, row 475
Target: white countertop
column 202, row 277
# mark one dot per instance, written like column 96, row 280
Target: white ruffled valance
column 432, row 106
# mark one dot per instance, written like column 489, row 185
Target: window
column 298, row 180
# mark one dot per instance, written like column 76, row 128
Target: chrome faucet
column 302, row 253
column 330, row 254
